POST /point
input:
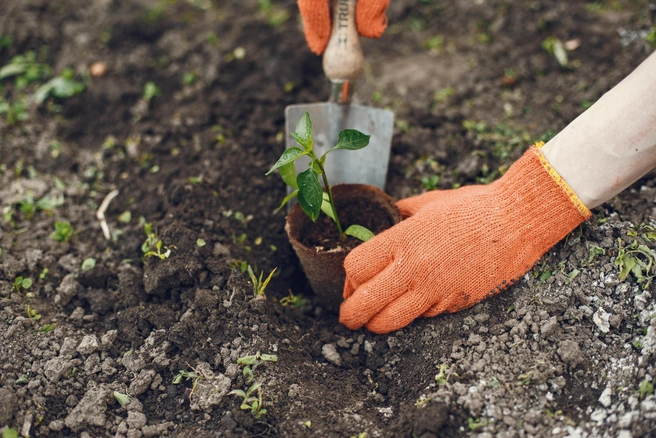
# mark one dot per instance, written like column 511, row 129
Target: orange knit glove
column 458, row 247
column 369, row 17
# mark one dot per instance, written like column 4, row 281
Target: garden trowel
column 342, row 63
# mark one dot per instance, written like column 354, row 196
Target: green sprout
column 307, row 188
column 150, row 90
column 184, row 374
column 291, row 300
column 440, row 378
column 22, row 283
column 88, row 264
column 32, row 313
column 122, row 399
column 259, row 285
column 251, row 402
column 63, row 232
column 636, row 259
column 646, row 388
column 476, row 424
column 153, row 246
column 251, row 362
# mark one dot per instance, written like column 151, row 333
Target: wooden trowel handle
column 343, row 58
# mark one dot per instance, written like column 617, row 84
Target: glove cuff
column 582, row 209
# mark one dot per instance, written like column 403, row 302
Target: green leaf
column 247, row 360
column 269, row 357
column 326, row 208
column 300, row 140
column 200, row 242
column 12, row 70
column 310, row 194
column 288, row 174
column 288, row 198
column 88, row 264
column 238, row 392
column 359, row 232
column 26, row 283
column 351, row 140
column 10, row 433
column 289, row 156
column 304, row 131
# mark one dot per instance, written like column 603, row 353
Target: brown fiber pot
column 356, row 204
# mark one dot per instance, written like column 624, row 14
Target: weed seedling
column 251, row 362
column 475, row 424
column 63, row 232
column 292, row 300
column 646, row 388
column 250, row 402
column 307, row 188
column 32, row 313
column 153, row 246
column 88, row 264
column 636, row 259
column 259, row 285
column 22, row 283
column 122, row 399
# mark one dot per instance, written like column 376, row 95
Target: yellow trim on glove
column 560, row 181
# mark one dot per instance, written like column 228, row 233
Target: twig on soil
column 100, row 214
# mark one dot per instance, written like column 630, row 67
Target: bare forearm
column 612, row 144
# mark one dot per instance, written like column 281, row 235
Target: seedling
column 476, row 424
column 307, row 188
column 153, row 246
column 150, row 90
column 184, row 374
column 646, row 388
column 251, row 362
column 251, row 402
column 638, row 260
column 63, row 232
column 60, row 87
column 122, row 399
column 10, row 432
column 88, row 264
column 259, row 285
column 440, row 378
column 32, row 313
column 22, row 283
column 291, row 300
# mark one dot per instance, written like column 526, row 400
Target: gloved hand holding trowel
column 457, row 247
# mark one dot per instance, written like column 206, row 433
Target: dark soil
column 568, row 351
column 368, row 213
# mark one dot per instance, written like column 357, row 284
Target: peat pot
column 318, row 245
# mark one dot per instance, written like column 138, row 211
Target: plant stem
column 331, row 201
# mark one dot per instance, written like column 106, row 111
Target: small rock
column 549, row 329
column 157, row 429
column 68, row 289
column 56, row 425
column 141, row 383
column 604, row 398
column 68, row 348
column 90, row 411
column 107, row 340
column 481, row 317
column 599, row 415
column 330, row 353
column 570, row 352
column 8, row 406
column 88, row 345
column 56, row 368
column 136, row 420
column 602, row 320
